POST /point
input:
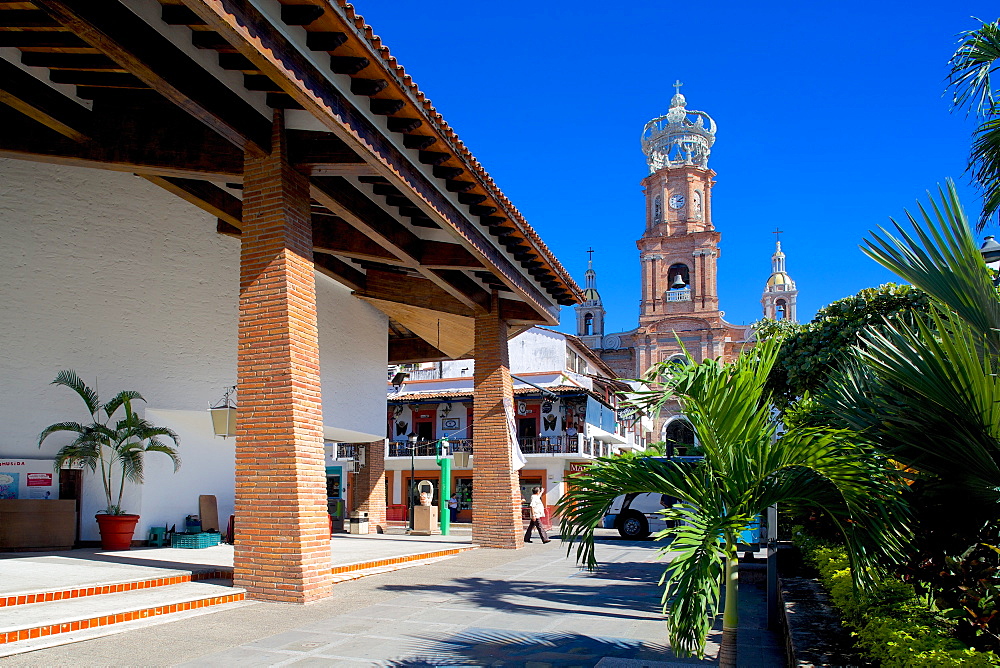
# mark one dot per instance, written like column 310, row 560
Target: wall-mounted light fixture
column 224, row 414
column 445, row 410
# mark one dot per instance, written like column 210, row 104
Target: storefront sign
column 578, row 467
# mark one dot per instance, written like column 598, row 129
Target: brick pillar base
column 496, row 498
column 282, row 546
column 369, row 486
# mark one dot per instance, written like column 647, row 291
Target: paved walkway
column 25, row 570
column 529, row 608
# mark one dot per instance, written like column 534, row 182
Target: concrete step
column 32, row 621
column 29, row 579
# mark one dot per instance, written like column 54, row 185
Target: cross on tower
column 590, row 253
column 777, row 234
column 677, row 87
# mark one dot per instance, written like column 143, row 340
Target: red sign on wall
column 39, row 479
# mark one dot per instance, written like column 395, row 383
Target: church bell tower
column 590, row 313
column 780, row 293
column 679, row 247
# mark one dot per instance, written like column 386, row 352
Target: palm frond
column 691, row 593
column 74, row 427
column 942, row 259
column 583, row 507
column 931, row 397
column 972, row 68
column 70, row 379
column 123, row 398
column 984, row 163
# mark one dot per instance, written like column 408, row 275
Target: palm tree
column 928, row 394
column 746, row 469
column 970, row 79
column 113, row 445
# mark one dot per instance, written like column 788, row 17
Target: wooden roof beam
column 204, row 195
column 333, row 235
column 116, row 31
column 42, row 103
column 412, row 291
column 342, row 198
column 339, row 271
column 441, row 255
column 411, row 350
column 143, row 143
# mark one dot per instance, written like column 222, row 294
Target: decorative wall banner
column 519, row 460
column 450, row 424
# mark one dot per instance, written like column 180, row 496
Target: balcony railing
column 538, row 445
column 428, row 448
column 683, row 295
column 345, row 450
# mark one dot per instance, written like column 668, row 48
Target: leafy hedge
column 891, row 625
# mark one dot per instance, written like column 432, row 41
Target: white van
column 638, row 515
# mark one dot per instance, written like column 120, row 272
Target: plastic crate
column 194, row 541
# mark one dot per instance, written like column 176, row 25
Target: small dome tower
column 780, row 292
column 590, row 313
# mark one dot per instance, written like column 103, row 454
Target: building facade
column 564, row 414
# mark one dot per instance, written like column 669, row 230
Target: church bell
column 678, row 283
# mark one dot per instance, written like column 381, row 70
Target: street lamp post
column 445, row 493
column 991, row 255
column 412, row 438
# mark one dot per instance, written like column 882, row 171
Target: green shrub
column 890, row 624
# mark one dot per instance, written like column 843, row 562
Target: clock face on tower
column 677, row 201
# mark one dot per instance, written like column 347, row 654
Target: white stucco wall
column 107, row 274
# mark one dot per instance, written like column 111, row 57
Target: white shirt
column 537, row 507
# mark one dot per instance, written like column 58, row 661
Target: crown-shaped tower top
column 681, row 137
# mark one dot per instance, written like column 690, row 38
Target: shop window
column 463, row 490
column 527, row 427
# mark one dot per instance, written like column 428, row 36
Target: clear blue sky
column 831, row 119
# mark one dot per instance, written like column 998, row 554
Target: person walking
column 537, row 513
column 453, row 508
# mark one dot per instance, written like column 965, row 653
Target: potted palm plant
column 115, row 442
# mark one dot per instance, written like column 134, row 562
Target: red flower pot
column 116, row 531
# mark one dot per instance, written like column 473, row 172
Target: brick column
column 496, row 495
column 369, row 486
column 282, row 538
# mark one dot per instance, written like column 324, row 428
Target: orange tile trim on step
column 52, row 629
column 363, row 565
column 42, row 597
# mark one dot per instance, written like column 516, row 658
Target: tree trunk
column 731, row 614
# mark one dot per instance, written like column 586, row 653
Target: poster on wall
column 9, row 483
column 28, row 479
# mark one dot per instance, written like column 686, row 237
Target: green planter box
column 194, row 541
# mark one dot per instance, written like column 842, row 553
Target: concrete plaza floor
column 345, row 549
column 532, row 607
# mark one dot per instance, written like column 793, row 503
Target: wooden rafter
column 354, row 207
column 41, row 102
column 113, row 29
column 253, row 36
